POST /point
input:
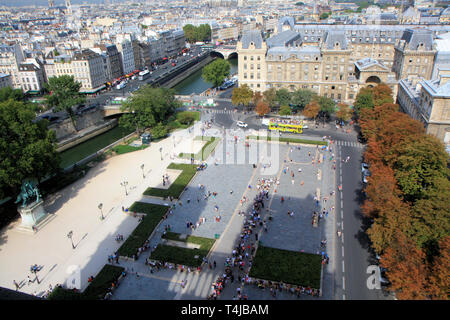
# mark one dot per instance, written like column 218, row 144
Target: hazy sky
column 18, row 3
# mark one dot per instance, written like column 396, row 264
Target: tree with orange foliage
column 381, row 187
column 262, row 108
column 344, row 112
column 311, row 110
column 257, row 97
column 382, row 94
column 406, row 269
column 440, row 272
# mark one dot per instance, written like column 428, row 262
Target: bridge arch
column 217, row 54
column 233, row 55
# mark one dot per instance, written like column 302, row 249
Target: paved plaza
column 233, row 171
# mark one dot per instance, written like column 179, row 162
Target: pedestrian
column 29, row 280
column 16, row 284
column 214, row 263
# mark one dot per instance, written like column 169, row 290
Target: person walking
column 16, row 284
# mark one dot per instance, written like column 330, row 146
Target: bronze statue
column 29, row 193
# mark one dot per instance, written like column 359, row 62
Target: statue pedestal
column 33, row 216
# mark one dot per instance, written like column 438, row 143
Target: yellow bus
column 286, row 126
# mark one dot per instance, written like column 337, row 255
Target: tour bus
column 143, row 75
column 285, row 125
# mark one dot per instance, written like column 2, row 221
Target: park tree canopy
column 242, row 95
column 27, row 148
column 148, row 107
column 64, row 94
column 216, row 72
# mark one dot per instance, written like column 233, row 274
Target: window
column 245, row 57
column 245, row 66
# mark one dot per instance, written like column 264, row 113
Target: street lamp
column 135, row 121
column 124, row 184
column 160, row 150
column 69, row 235
column 35, row 269
column 100, row 206
column 142, row 167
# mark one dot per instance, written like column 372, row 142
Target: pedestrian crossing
column 348, row 144
column 218, row 111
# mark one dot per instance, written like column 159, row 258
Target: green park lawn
column 177, row 187
column 184, row 256
column 207, row 149
column 154, row 214
column 290, row 140
column 285, row 266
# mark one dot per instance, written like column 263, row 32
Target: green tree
column 327, row 105
column 283, row 97
column 242, row 95
column 344, row 112
column 301, row 97
column 64, row 94
column 364, row 100
column 10, row 93
column 285, row 111
column 270, row 96
column 204, row 32
column 147, row 107
column 27, row 148
column 190, row 33
column 216, row 72
column 159, row 131
column 324, row 16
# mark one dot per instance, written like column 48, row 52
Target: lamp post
column 124, row 184
column 160, row 150
column 100, row 206
column 69, row 235
column 135, row 121
column 143, row 174
column 35, row 269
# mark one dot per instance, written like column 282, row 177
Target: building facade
column 5, row 80
column 88, row 69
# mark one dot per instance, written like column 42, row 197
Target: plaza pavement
column 75, row 208
column 284, row 232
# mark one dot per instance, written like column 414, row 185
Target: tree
column 283, row 97
column 159, row 131
column 242, row 95
column 27, row 148
column 64, row 94
column 311, row 110
column 301, row 97
column 216, row 72
column 327, row 105
column 270, row 96
column 262, row 108
column 406, row 269
column 147, row 107
column 382, row 94
column 257, row 97
column 204, row 32
column 285, row 111
column 344, row 112
column 190, row 33
column 324, row 16
column 440, row 273
column 10, row 93
column 364, row 100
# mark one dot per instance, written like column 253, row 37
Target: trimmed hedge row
column 284, row 139
column 154, row 214
column 121, row 149
column 96, row 290
column 290, row 267
column 180, row 183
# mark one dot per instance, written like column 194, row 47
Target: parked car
column 364, row 166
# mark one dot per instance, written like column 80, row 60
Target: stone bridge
column 225, row 52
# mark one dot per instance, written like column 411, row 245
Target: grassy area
column 287, row 266
column 180, row 255
column 293, row 140
column 125, row 148
column 96, row 289
column 81, row 151
column 154, row 214
column 177, row 187
column 206, row 150
column 176, row 124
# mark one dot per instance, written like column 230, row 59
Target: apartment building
column 11, row 55
column 127, row 54
column 88, row 69
column 5, row 80
column 333, row 62
column 31, row 76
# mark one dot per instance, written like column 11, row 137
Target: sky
column 18, row 3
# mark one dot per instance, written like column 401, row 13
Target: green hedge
column 96, row 290
column 293, row 140
column 121, row 149
column 206, row 150
column 177, row 187
column 291, row 267
column 180, row 255
column 154, row 214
